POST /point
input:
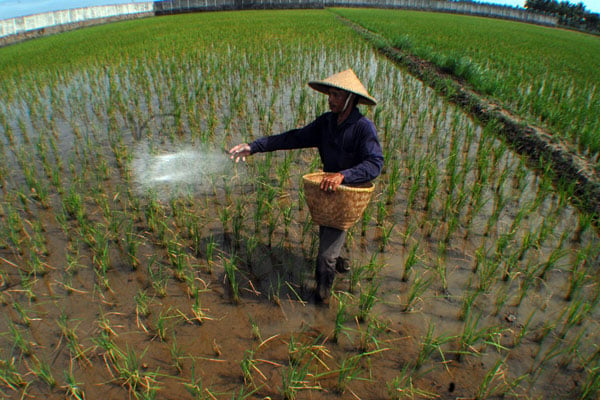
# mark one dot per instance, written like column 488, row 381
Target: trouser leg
column 331, row 241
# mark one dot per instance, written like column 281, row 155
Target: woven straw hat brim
column 345, row 80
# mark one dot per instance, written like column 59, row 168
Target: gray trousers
column 331, row 241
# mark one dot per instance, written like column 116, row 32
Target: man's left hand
column 331, row 181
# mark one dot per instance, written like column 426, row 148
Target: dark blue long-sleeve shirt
column 351, row 148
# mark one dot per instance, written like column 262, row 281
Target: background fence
column 20, row 28
column 459, row 7
column 16, row 29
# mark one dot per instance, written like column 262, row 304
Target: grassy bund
column 472, row 275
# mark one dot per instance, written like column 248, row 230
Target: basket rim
column 365, row 187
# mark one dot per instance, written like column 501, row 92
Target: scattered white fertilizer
column 173, row 173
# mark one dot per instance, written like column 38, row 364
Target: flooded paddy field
column 138, row 261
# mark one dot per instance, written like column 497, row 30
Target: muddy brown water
column 214, row 348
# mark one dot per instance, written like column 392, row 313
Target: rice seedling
column 556, row 255
column 584, row 222
column 430, row 345
column 408, row 232
column 372, row 268
column 72, row 340
column 105, row 325
column 244, row 393
column 255, row 330
column 198, row 312
column 488, row 272
column 369, row 336
column 275, row 289
column 195, row 387
column 576, row 312
column 431, row 183
column 542, row 358
column 96, row 237
column 382, row 212
column 211, row 246
column 225, row 217
column 469, row 299
column 24, row 314
column 341, row 316
column 252, row 243
column 356, row 274
column 296, row 375
column 73, row 205
column 179, row 259
column 471, row 334
column 415, row 184
column 287, row 214
column 20, row 342
column 162, row 332
column 403, row 387
column 177, row 355
column 577, row 276
column 365, row 219
column 571, row 351
column 231, row 271
column 132, row 243
column 158, row 277
column 441, row 266
column 126, row 367
column 349, row 370
column 386, row 232
column 10, row 375
column 72, row 388
column 502, row 296
column 393, row 181
column 415, row 292
column 42, row 371
column 367, row 300
column 591, row 386
column 495, row 382
column 141, row 304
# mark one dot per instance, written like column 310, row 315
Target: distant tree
column 568, row 14
column 592, row 22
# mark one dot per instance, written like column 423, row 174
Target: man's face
column 337, row 100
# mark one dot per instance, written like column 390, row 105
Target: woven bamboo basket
column 340, row 209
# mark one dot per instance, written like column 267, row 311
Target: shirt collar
column 354, row 116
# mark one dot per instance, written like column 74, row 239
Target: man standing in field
column 350, row 152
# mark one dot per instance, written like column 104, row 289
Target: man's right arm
column 293, row 139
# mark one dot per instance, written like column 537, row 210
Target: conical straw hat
column 345, row 80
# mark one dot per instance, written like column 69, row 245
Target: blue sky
column 15, row 8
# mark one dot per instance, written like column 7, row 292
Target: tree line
column 572, row 15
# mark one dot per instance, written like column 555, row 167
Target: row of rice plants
column 488, row 210
column 458, row 222
column 544, row 74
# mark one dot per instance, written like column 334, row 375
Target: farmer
column 350, row 153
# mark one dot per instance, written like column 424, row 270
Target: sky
column 16, row 8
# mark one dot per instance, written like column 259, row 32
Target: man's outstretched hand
column 241, row 151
